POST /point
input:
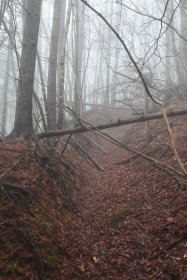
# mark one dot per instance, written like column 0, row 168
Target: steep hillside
column 67, row 220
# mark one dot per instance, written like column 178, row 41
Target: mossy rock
column 118, row 214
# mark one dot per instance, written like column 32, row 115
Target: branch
column 156, row 101
column 143, row 118
column 126, row 49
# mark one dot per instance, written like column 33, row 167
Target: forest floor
column 68, row 220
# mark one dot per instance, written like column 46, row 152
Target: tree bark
column 6, row 78
column 62, row 66
column 88, row 128
column 79, row 32
column 52, row 71
column 23, row 119
column 3, row 7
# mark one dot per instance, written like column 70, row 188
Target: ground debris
column 145, row 207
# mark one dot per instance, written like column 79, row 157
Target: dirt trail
column 126, row 222
column 130, row 214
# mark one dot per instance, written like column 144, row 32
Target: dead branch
column 161, row 165
column 172, row 245
column 131, row 159
column 96, row 145
column 65, row 146
column 143, row 80
column 77, row 146
column 138, row 119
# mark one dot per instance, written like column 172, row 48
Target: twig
column 9, row 169
column 65, row 147
column 78, row 146
column 128, row 160
column 172, row 245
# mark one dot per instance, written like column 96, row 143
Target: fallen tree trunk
column 87, row 128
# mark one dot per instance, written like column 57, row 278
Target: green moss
column 46, row 225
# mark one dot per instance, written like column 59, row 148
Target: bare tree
column 79, row 33
column 62, row 66
column 183, row 43
column 6, row 78
column 52, row 71
column 3, row 7
column 23, row 118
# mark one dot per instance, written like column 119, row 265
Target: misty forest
column 93, row 153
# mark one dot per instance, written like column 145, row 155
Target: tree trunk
column 5, row 88
column 23, row 119
column 3, row 7
column 183, row 44
column 89, row 128
column 52, row 71
column 62, row 66
column 175, row 54
column 44, row 95
column 168, row 68
column 79, row 32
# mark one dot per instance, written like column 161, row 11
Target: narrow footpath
column 134, row 222
column 65, row 219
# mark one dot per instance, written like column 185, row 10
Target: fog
column 81, row 64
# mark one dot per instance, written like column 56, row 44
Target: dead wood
column 65, row 146
column 81, row 129
column 128, row 160
column 97, row 146
column 175, row 242
column 77, row 146
column 172, row 245
column 145, row 85
column 163, row 166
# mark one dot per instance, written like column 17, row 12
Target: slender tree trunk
column 116, row 58
column 168, row 65
column 100, row 78
column 23, row 118
column 94, row 97
column 24, row 14
column 176, row 57
column 5, row 90
column 61, row 34
column 114, row 77
column 108, row 76
column 44, row 95
column 3, row 7
column 183, row 44
column 52, row 71
column 62, row 67
column 79, row 32
column 7, row 73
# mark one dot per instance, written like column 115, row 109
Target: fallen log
column 144, row 118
